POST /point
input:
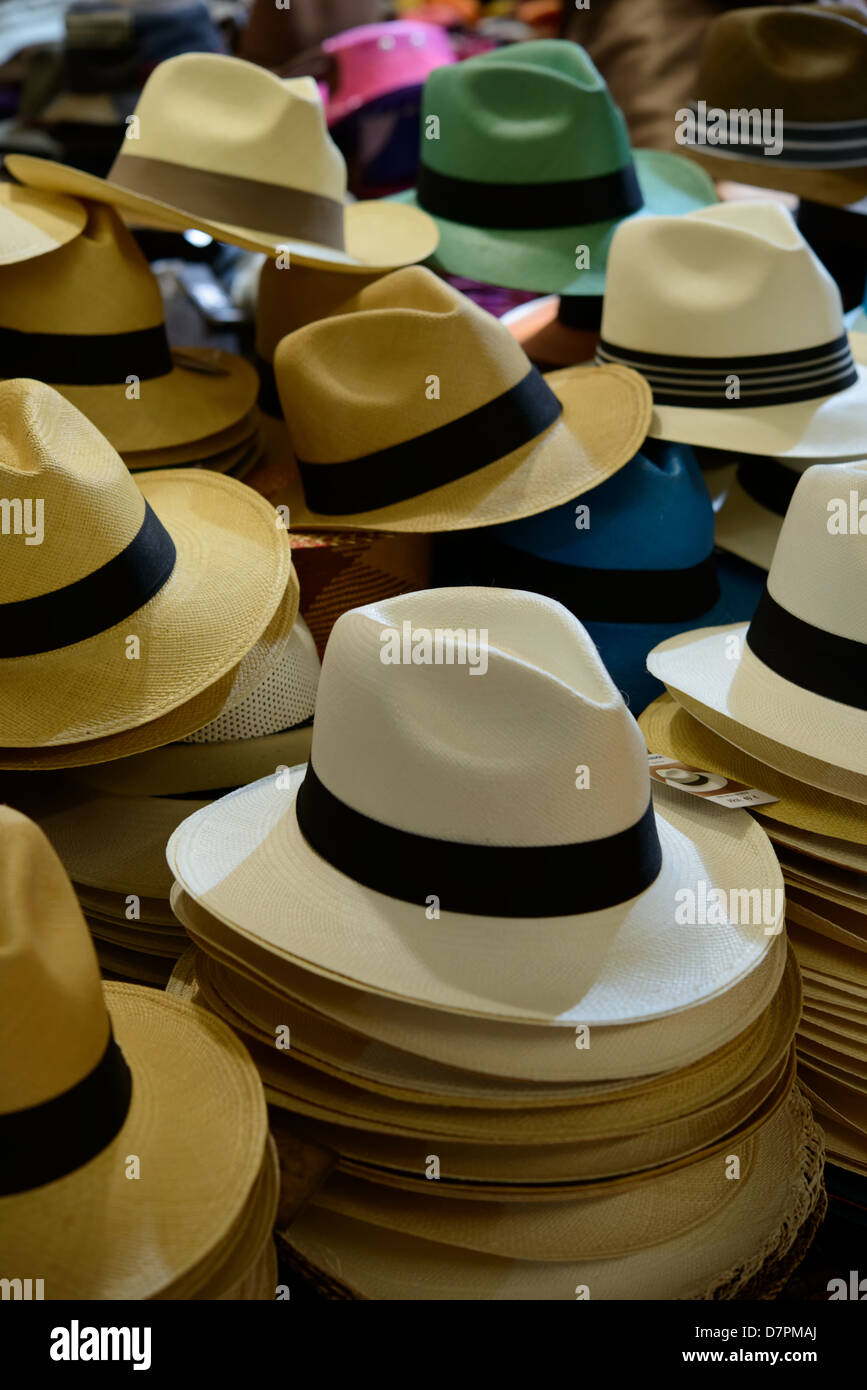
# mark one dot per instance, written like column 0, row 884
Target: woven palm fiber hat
column 192, row 564
column 94, row 1074
column 808, row 63
column 34, row 223
column 716, row 1258
column 756, row 500
column 797, row 674
column 336, row 869
column 525, row 158
column 226, row 146
column 89, row 317
column 414, row 410
column 739, row 331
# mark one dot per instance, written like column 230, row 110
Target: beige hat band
column 94, row 603
column 805, row 144
column 85, row 359
column 230, row 198
column 441, row 456
column 45, row 1142
column 485, row 880
column 823, row 663
column 768, row 378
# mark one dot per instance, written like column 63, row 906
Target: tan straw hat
column 349, row 871
column 226, row 146
column 739, row 331
column 34, row 223
column 89, row 320
column 93, row 1075
column 415, row 410
column 797, row 674
column 137, row 595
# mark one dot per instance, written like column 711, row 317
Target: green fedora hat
column 525, row 158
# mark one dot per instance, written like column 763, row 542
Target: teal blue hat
column 526, row 166
column 633, row 559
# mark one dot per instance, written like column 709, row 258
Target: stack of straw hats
column 780, row 705
column 136, row 1162
column 393, row 931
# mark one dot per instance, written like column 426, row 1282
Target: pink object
column 378, row 59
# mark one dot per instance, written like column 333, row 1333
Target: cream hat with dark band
column 228, row 147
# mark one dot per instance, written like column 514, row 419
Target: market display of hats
column 272, row 181
column 190, row 398
column 633, row 559
column 805, row 65
column 525, row 164
column 739, row 332
column 414, row 410
column 400, row 1035
column 801, row 671
column 123, row 626
column 133, row 1072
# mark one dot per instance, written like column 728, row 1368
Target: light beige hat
column 34, row 223
column 100, row 1074
column 190, row 564
column 228, row 147
column 89, row 320
column 415, row 410
column 739, row 331
column 408, row 895
column 831, row 825
column 797, row 674
column 515, row 1050
column 715, row 1258
column 757, row 498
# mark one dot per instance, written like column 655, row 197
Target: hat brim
column 848, row 854
column 543, row 259
column 760, row 1219
column 838, row 188
column 831, row 428
column 33, row 223
column 229, row 443
column 181, row 407
column 745, row 693
column 621, row 1053
column 379, row 235
column 602, row 426
column 745, row 528
column 231, row 572
column 197, row 1122
column 672, row 730
column 246, row 861
column 546, row 341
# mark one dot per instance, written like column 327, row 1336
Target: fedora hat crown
column 55, row 1025
column 436, row 751
column 92, row 509
column 536, row 112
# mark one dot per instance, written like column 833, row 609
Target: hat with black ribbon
column 525, row 164
column 414, row 410
column 739, row 331
column 94, row 1076
column 755, row 502
column 797, row 674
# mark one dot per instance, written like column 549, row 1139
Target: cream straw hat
column 34, row 223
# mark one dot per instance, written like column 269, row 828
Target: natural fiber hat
column 829, row 821
column 89, row 320
column 847, row 853
column 33, row 223
column 760, row 1219
column 798, row 673
column 414, row 410
column 807, row 67
column 404, row 894
column 514, row 1050
column 234, row 441
column 379, row 60
column 226, row 146
column 189, row 563
column 92, row 1076
column 748, row 521
column 739, row 331
column 525, row 163
column 634, row 561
